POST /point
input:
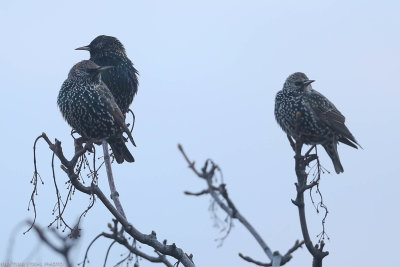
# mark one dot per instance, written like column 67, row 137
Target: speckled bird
column 89, row 107
column 319, row 121
column 122, row 80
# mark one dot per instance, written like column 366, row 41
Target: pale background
column 209, row 72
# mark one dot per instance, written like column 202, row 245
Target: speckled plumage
column 320, row 121
column 89, row 107
column 122, row 80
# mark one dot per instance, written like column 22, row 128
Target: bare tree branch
column 114, row 193
column 117, row 237
column 123, row 241
column 68, row 166
column 63, row 250
column 301, row 163
column 220, row 196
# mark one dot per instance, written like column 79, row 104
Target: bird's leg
column 89, row 143
column 97, row 141
column 291, row 142
column 72, row 132
column 78, row 142
column 310, row 157
column 309, row 151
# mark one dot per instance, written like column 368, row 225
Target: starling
column 89, row 107
column 301, row 110
column 122, row 80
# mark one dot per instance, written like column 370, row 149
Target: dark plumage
column 122, row 80
column 320, row 121
column 89, row 107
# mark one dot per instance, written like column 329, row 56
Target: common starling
column 301, row 110
column 122, row 80
column 89, row 107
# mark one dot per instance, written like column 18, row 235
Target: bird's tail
column 120, row 150
column 331, row 149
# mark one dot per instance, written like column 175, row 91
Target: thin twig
column 203, row 192
column 108, row 251
column 59, row 217
column 34, row 181
column 88, row 248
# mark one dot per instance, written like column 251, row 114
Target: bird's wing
column 112, row 107
column 326, row 111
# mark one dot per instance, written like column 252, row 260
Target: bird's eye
column 298, row 83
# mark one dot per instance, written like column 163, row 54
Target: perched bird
column 89, row 107
column 300, row 110
column 122, row 80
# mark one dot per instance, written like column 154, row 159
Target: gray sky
column 209, row 72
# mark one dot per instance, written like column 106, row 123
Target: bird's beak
column 308, row 82
column 103, row 68
column 87, row 48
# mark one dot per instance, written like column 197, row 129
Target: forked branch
column 220, row 195
column 68, row 166
column 63, row 249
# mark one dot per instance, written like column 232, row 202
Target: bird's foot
column 309, row 151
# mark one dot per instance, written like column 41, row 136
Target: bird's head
column 103, row 43
column 87, row 69
column 297, row 81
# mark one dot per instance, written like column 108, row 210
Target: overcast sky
column 209, row 72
